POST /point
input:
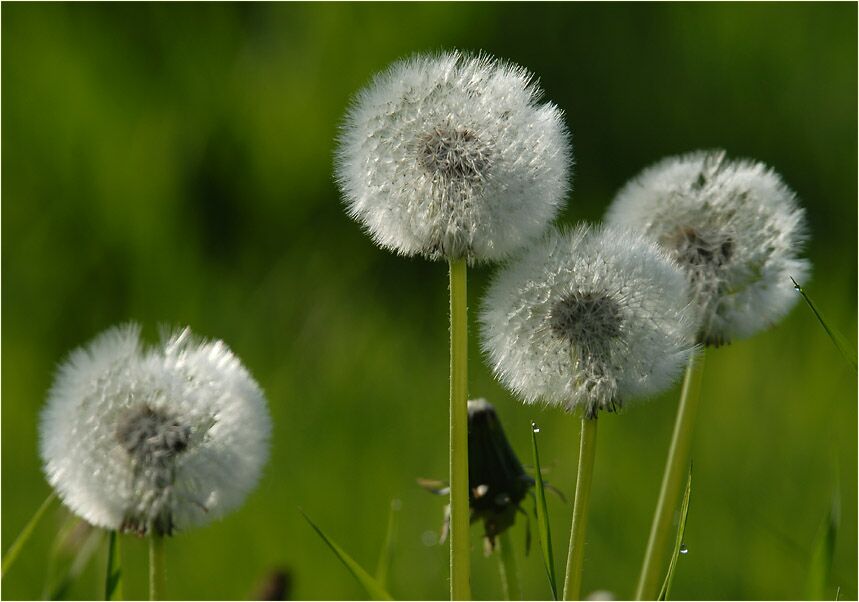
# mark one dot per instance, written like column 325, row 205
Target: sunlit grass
column 372, row 586
column 544, row 530
column 679, row 545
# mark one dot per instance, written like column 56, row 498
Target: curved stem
column 507, row 567
column 157, row 579
column 24, row 536
column 576, row 554
column 676, row 469
column 460, row 548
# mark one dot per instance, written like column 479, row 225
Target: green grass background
column 171, row 164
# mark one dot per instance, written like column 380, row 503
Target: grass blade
column 10, row 556
column 387, row 553
column 837, row 338
column 74, row 547
column 370, row 585
column 543, row 516
column 678, row 543
column 113, row 577
column 824, row 550
column 507, row 565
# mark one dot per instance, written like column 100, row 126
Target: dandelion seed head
column 453, row 156
column 733, row 226
column 588, row 318
column 159, row 439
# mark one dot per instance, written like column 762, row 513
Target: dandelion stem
column 460, row 548
column 157, row 579
column 676, row 469
column 113, row 576
column 576, row 553
column 507, row 567
column 24, row 536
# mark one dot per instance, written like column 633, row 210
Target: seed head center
column 454, row 154
column 152, row 437
column 695, row 250
column 586, row 318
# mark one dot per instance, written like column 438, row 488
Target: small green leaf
column 387, row 553
column 678, row 543
column 837, row 338
column 543, row 517
column 370, row 585
column 113, row 578
column 824, row 550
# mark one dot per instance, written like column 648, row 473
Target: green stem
column 157, row 579
column 113, row 576
column 386, row 555
column 508, row 569
column 460, row 547
column 576, row 553
column 26, row 533
column 676, row 469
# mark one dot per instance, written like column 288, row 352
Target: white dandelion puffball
column 452, row 156
column 733, row 226
column 153, row 440
column 588, row 318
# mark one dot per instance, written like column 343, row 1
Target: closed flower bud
column 496, row 480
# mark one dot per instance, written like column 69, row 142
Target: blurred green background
column 171, row 164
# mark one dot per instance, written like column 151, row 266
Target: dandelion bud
column 153, row 440
column 496, row 480
column 452, row 156
column 588, row 318
column 734, row 227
